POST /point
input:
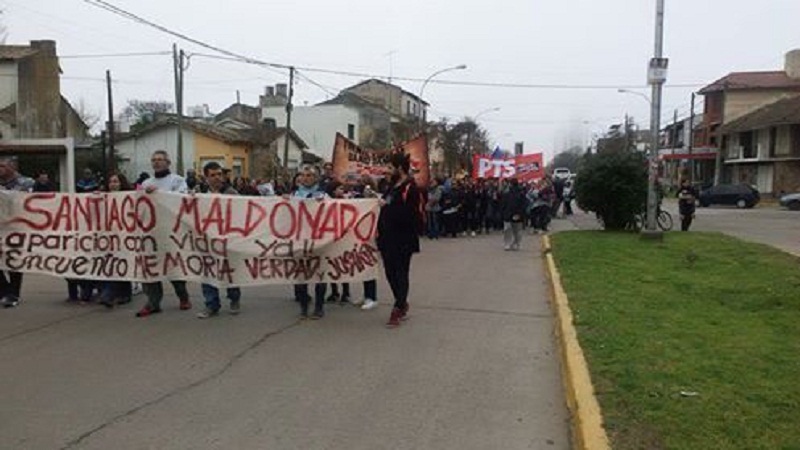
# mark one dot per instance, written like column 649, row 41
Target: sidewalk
column 474, row 368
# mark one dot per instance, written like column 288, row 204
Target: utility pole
column 691, row 141
column 674, row 143
column 657, row 76
column 177, row 59
column 289, row 108
column 110, row 153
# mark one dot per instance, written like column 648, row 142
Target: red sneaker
column 147, row 311
column 185, row 305
column 394, row 319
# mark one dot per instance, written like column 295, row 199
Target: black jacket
column 400, row 220
column 513, row 205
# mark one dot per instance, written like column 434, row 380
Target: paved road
column 474, row 368
column 766, row 224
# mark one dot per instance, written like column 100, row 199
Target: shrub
column 614, row 187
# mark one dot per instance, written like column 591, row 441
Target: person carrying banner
column 308, row 188
column 116, row 292
column 399, row 226
column 164, row 180
column 11, row 180
column 215, row 184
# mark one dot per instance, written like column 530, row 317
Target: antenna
column 391, row 63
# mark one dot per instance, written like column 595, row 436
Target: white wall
column 316, row 125
column 9, row 86
column 139, row 149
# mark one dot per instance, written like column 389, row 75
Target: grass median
column 693, row 343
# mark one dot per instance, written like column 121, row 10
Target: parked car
column 741, row 195
column 791, row 201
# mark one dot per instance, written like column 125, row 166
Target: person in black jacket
column 399, row 226
column 513, row 205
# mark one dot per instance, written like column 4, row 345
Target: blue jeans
column 433, row 224
column 211, row 295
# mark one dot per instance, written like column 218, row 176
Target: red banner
column 351, row 162
column 524, row 167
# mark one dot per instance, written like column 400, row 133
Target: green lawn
column 693, row 343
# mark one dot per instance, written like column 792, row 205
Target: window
column 795, row 140
column 408, row 107
column 238, row 167
column 351, row 132
column 773, row 141
column 747, row 141
column 415, row 109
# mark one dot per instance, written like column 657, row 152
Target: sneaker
column 473, row 234
column 147, row 311
column 185, row 305
column 357, row 302
column 333, row 298
column 236, row 308
column 136, row 289
column 394, row 319
column 318, row 315
column 404, row 312
column 344, row 300
column 107, row 302
column 10, row 301
column 369, row 304
column 507, row 248
column 207, row 313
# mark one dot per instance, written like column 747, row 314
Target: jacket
column 400, row 221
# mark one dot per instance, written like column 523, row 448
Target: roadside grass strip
column 693, row 343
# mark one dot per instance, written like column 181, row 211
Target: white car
column 562, row 173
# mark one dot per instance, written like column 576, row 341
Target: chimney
column 281, row 90
column 39, row 107
column 793, row 64
column 269, row 91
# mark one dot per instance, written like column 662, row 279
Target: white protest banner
column 221, row 240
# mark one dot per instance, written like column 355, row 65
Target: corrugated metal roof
column 753, row 80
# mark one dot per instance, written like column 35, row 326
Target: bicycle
column 663, row 221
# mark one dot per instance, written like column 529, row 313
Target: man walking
column 215, row 185
column 309, row 189
column 163, row 180
column 11, row 180
column 687, row 196
column 513, row 206
column 399, row 226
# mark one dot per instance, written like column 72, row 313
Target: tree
column 614, row 187
column 143, row 112
column 459, row 141
column 619, row 138
column 89, row 117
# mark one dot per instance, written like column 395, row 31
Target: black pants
column 12, row 285
column 397, row 265
column 686, row 221
column 155, row 292
column 302, row 297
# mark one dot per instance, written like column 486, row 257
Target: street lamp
column 628, row 91
column 425, row 83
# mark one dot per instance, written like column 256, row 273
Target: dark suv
column 741, row 195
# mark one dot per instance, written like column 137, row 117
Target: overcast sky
column 545, row 42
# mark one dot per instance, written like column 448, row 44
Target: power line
column 242, row 58
column 115, row 55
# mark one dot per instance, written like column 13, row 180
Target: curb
column 587, row 420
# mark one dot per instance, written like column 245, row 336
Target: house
column 734, row 96
column 316, row 125
column 202, row 143
column 399, row 102
column 679, row 158
column 763, row 147
column 35, row 118
column 267, row 139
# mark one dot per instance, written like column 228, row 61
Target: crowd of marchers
column 400, row 224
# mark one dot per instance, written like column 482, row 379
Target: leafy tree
column 459, row 141
column 614, row 187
